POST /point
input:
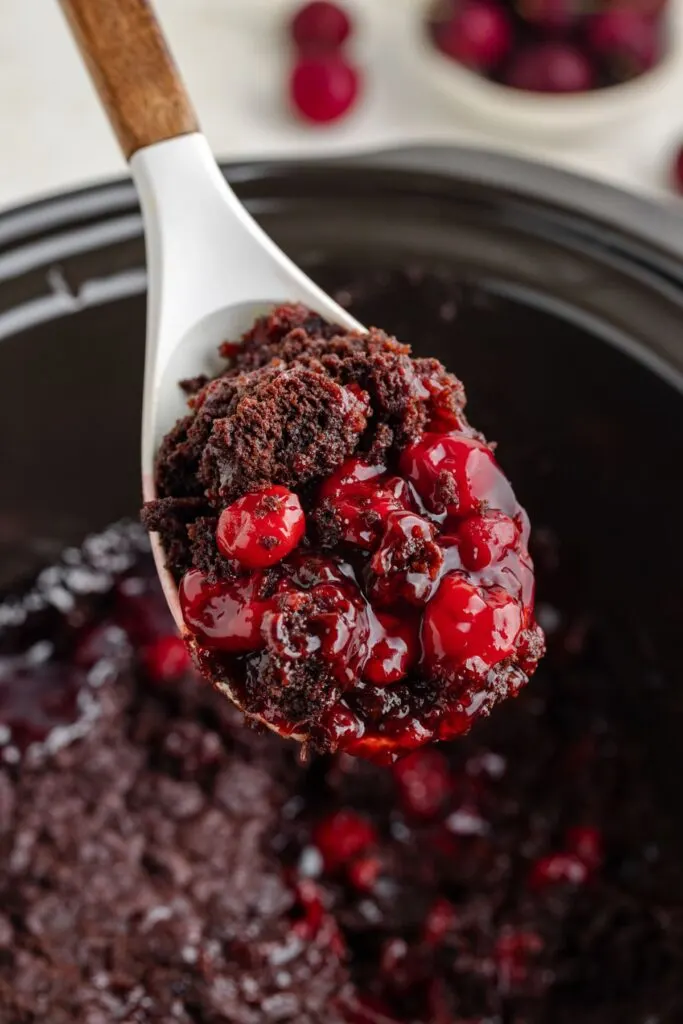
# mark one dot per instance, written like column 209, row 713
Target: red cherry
column 320, row 25
column 261, row 528
column 456, row 474
column 586, row 842
column 354, row 477
column 407, row 563
column 479, row 34
column 363, row 497
column 330, row 619
column 550, row 67
column 223, row 616
column 324, row 88
column 558, row 869
column 424, row 783
column 342, row 836
column 627, row 41
column 678, row 171
column 394, row 651
column 485, row 539
column 440, row 919
column 468, row 628
column 166, row 659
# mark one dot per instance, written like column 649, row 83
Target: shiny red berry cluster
column 429, row 579
column 324, row 83
column 550, row 46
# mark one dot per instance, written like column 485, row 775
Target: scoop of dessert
column 352, row 562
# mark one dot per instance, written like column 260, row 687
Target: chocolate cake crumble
column 352, row 564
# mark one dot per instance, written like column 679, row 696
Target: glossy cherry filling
column 352, row 561
column 412, row 626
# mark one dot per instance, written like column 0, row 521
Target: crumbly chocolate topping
column 299, row 397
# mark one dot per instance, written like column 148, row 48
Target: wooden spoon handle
column 133, row 70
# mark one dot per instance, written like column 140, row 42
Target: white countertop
column 233, row 58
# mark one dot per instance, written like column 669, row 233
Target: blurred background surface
column 236, row 56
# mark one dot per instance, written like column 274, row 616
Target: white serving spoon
column 212, row 269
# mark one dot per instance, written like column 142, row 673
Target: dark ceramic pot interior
column 566, row 329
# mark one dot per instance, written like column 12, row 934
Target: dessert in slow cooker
column 352, row 562
column 160, row 862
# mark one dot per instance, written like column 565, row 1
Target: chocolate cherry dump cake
column 352, row 563
column 159, row 862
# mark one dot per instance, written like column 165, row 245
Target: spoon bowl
column 202, row 246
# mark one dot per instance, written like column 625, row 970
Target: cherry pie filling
column 384, row 604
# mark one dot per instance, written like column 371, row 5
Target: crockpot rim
column 580, row 210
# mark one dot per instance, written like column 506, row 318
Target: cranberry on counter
column 323, row 88
column 324, row 83
column 320, row 25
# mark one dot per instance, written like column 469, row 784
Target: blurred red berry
column 363, row 873
column 323, row 88
column 424, row 783
column 558, row 869
column 166, row 658
column 586, row 842
column 342, row 836
column 550, row 67
column 628, row 43
column 320, row 26
column 478, row 34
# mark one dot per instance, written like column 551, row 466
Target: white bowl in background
column 528, row 115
